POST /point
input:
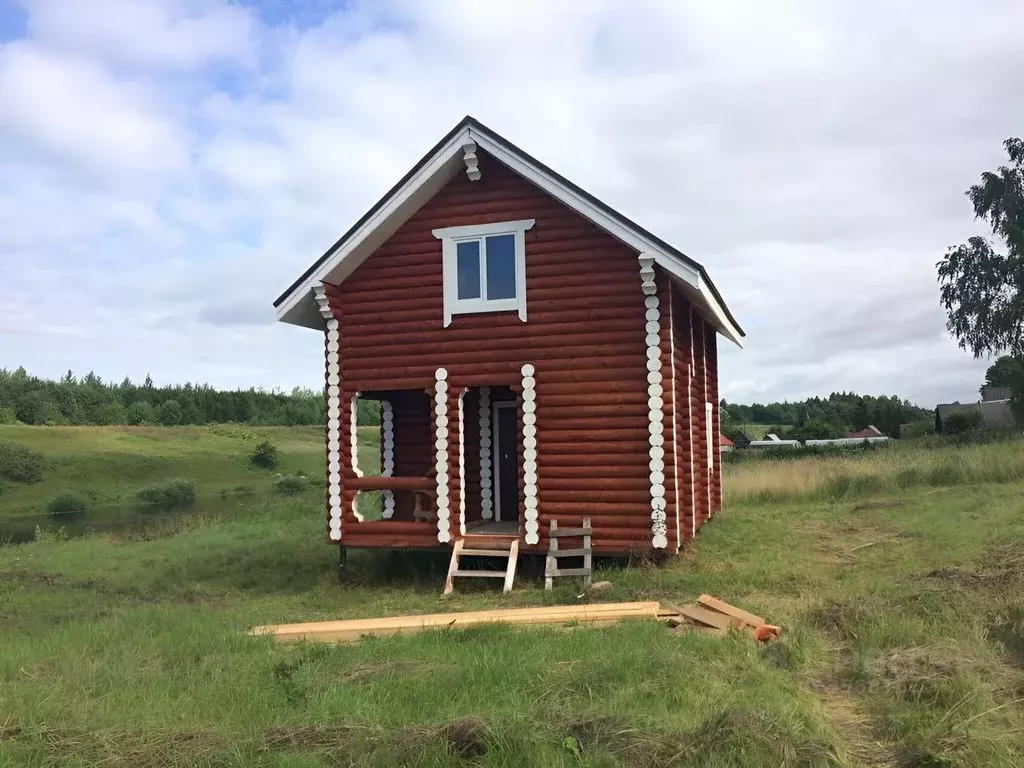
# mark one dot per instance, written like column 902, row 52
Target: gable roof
column 725, row 442
column 297, row 306
column 870, row 431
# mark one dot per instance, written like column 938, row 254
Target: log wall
column 585, row 336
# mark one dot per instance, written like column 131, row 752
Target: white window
column 484, row 268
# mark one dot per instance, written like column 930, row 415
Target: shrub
column 963, row 421
column 176, row 492
column 141, row 412
column 19, row 463
column 7, row 415
column 265, row 454
column 67, row 503
column 290, row 485
column 169, row 413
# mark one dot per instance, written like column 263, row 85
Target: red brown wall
column 585, row 336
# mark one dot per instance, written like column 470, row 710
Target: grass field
column 106, row 465
column 903, row 603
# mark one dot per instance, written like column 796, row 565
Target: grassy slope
column 905, row 644
column 107, row 464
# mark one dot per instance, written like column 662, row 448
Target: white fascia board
column 395, row 212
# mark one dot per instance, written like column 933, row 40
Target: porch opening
column 392, row 457
column 493, row 446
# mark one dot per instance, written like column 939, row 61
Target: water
column 21, row 529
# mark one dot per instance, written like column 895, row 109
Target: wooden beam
column 730, row 610
column 347, row 631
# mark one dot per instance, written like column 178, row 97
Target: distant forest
column 837, row 415
column 90, row 400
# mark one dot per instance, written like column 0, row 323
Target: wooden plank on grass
column 711, row 618
column 350, row 630
column 730, row 610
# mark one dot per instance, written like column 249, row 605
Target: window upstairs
column 484, row 268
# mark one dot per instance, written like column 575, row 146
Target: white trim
column 531, row 466
column 655, row 405
column 675, row 418
column 462, row 463
column 471, row 160
column 486, row 474
column 450, row 237
column 354, row 443
column 709, row 418
column 444, row 534
column 387, row 457
column 441, row 167
column 496, row 406
column 691, row 374
column 704, row 367
column 331, row 337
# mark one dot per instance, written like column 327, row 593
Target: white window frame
column 450, row 237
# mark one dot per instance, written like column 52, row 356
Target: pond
column 21, row 529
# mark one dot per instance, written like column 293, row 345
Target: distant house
column 992, row 414
column 870, row 431
column 774, row 441
column 741, row 438
column 725, row 444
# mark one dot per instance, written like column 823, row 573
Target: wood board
column 350, row 630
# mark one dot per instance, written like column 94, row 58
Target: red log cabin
column 537, row 356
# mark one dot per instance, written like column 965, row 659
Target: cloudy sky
column 168, row 167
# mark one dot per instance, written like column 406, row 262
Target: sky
column 169, row 167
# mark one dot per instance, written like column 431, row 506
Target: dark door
column 507, row 469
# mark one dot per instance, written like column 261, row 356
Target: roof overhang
column 298, row 306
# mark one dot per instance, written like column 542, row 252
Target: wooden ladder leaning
column 483, row 546
column 551, row 569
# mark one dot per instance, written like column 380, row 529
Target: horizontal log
column 562, row 365
column 396, row 482
column 531, row 330
column 364, row 326
column 634, row 471
column 600, row 495
column 575, row 454
column 588, row 402
column 562, row 419
column 560, row 482
column 593, row 509
column 442, row 347
column 601, row 435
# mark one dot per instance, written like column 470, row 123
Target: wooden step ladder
column 482, row 545
column 551, row 569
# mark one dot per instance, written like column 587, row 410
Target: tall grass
column 891, row 468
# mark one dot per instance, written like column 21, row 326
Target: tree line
column 90, row 400
column 835, row 416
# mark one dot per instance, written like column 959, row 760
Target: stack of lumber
column 712, row 616
column 347, row 631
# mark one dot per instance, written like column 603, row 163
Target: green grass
column 107, row 465
column 904, row 646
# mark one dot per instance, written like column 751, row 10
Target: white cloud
column 152, row 33
column 76, row 112
column 812, row 156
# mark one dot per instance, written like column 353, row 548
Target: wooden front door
column 506, row 459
